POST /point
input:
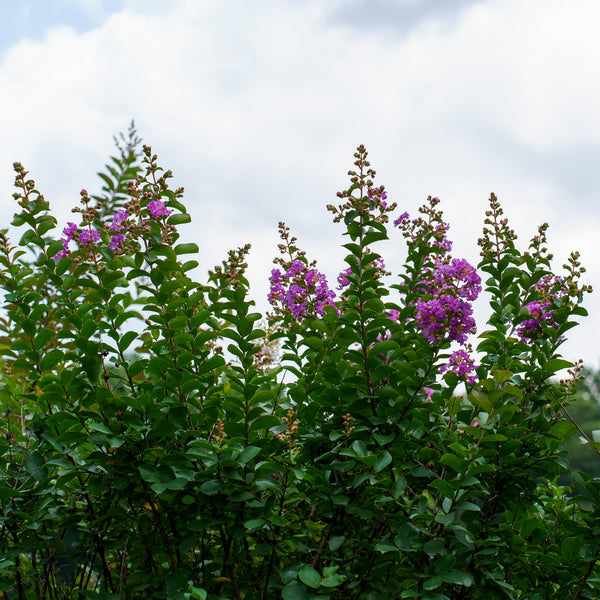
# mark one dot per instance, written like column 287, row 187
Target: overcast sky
column 258, row 106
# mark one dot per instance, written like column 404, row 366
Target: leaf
column 309, row 576
column 443, row 486
column 294, row 591
column 264, row 422
column 359, row 448
column 557, row 364
column 50, row 360
column 186, row 249
column 179, row 219
column 126, row 340
column 383, row 460
column 247, row 454
column 458, row 577
column 253, row 524
column 374, row 236
column 453, row 461
column 163, row 250
column 335, row 542
column 332, row 581
column 563, row 430
column 211, row 487
column 149, row 474
column 34, row 464
column 501, row 376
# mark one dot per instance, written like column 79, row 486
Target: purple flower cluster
column 117, row 221
column 445, row 317
column 462, row 364
column 88, row 237
column 458, row 276
column 541, row 314
column 120, row 229
column 403, row 217
column 441, row 241
column 68, row 233
column 343, row 280
column 301, row 290
column 157, row 209
column 448, row 315
column 550, row 289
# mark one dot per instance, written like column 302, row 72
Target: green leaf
column 253, row 524
column 198, row 593
column 294, row 591
column 383, row 460
column 212, row 487
column 179, row 219
column 264, row 422
column 453, row 461
column 247, row 454
column 309, row 576
column 444, row 487
column 51, row 359
column 335, row 542
column 149, row 474
column 126, row 340
column 34, row 464
column 458, row 577
column 186, row 249
column 163, row 250
column 557, row 364
column 501, row 376
column 563, row 430
column 332, row 581
column 359, row 448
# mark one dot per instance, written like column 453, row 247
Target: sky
column 257, row 107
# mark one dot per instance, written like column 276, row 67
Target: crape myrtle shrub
column 154, row 445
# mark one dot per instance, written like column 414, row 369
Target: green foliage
column 152, row 447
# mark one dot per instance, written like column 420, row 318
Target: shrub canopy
column 161, row 439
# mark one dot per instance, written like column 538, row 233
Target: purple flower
column 157, row 209
column 458, row 275
column 120, row 216
column 69, row 231
column 462, row 364
column 343, row 280
column 88, row 237
column 300, row 290
column 116, row 242
column 294, row 269
column 541, row 314
column 446, row 317
column 403, row 217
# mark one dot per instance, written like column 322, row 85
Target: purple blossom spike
column 88, row 237
column 120, row 216
column 463, row 365
column 116, row 242
column 157, row 209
